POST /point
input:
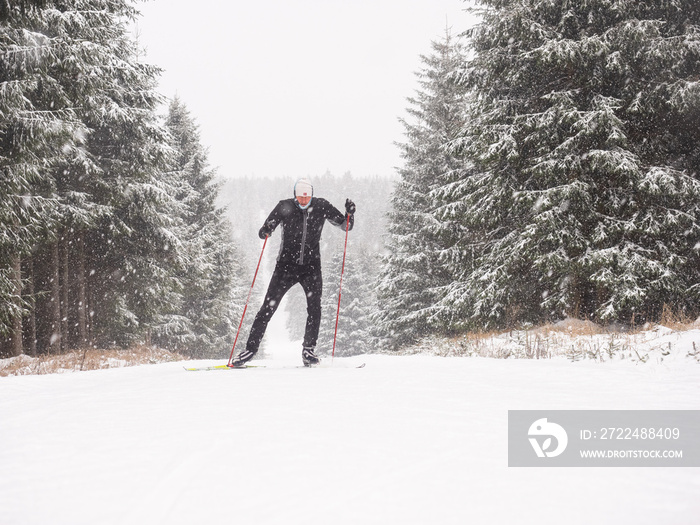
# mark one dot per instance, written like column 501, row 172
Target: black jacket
column 302, row 228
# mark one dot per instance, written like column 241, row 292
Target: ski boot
column 241, row 359
column 309, row 356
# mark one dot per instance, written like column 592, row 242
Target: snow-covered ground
column 412, row 439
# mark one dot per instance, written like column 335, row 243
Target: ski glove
column 349, row 207
column 265, row 231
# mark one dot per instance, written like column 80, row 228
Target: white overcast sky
column 295, row 87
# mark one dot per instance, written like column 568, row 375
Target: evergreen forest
column 551, row 162
column 110, row 234
column 550, row 169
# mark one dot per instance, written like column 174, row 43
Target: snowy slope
column 417, row 439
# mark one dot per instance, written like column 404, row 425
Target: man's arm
column 336, row 217
column 271, row 222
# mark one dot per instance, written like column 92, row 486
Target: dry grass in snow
column 90, row 359
column 576, row 340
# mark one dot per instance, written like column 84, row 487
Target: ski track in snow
column 415, row 439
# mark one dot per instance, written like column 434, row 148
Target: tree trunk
column 65, row 297
column 82, row 294
column 31, row 332
column 16, row 337
column 55, row 341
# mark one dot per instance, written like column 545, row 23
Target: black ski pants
column 283, row 278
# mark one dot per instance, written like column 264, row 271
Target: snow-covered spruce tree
column 116, row 244
column 203, row 322
column 584, row 137
column 39, row 127
column 92, row 73
column 413, row 276
column 133, row 254
column 104, row 265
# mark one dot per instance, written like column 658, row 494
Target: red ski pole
column 246, row 303
column 340, row 289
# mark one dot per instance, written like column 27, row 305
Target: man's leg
column 280, row 283
column 312, row 283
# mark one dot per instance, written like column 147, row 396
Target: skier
column 299, row 261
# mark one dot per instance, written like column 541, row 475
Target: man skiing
column 299, row 261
